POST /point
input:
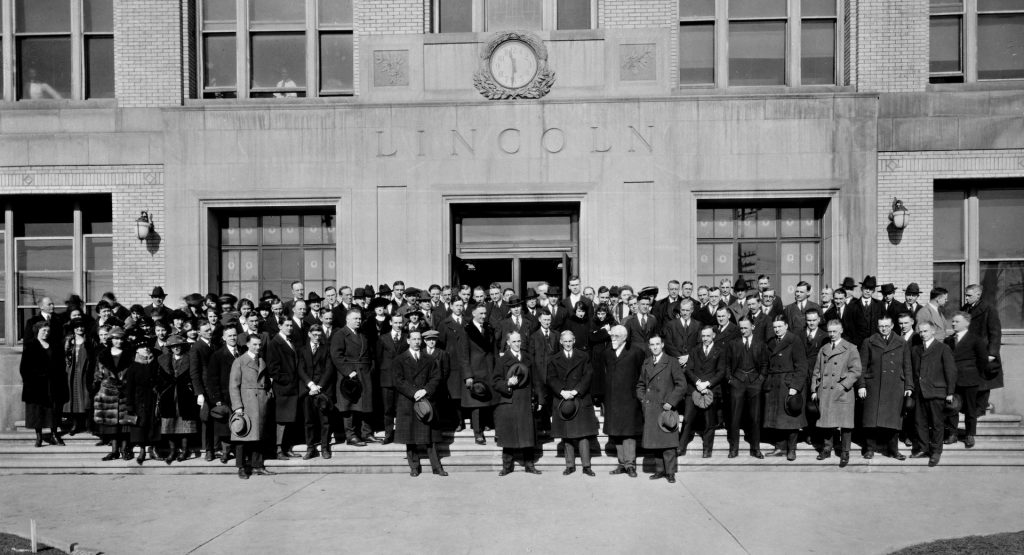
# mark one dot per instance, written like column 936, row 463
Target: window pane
column 1001, row 224
column 290, row 230
column 336, row 62
column 249, row 267
column 277, row 11
column 99, row 253
column 1001, row 46
column 818, row 52
column 43, row 255
column 705, row 223
column 42, row 16
column 219, row 61
column 513, row 14
column 818, row 8
column 279, row 61
column 272, row 230
column 790, row 220
column 335, row 12
column 98, row 16
column 948, row 275
column 573, row 14
column 757, row 53
column 725, row 257
column 759, row 258
column 1003, row 284
column 1000, row 5
column 949, row 225
column 218, row 14
column 696, row 53
column 229, row 266
column 945, row 45
column 946, row 6
column 519, row 229
column 99, row 55
column 696, row 8
column 724, row 223
column 54, row 223
column 455, row 16
column 757, row 8
column 96, row 283
column 45, row 66
column 314, row 269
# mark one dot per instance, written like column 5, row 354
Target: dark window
column 573, row 14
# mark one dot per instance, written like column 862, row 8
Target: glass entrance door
column 518, row 272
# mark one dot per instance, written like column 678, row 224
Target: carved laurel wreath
column 539, row 86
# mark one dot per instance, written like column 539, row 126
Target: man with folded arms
column 934, row 384
column 660, row 388
column 836, row 371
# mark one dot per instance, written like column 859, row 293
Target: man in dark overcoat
column 199, row 355
column 452, row 338
column 851, row 316
column 352, row 355
column 787, row 377
column 986, row 325
column 660, row 387
column 569, row 378
column 681, row 334
column 705, row 372
column 886, row 380
column 623, row 417
column 516, row 321
column 516, row 387
column 218, row 374
column 389, row 346
column 971, row 357
column 480, row 365
column 543, row 345
column 417, row 377
column 934, row 384
column 282, row 367
column 316, row 374
column 748, row 366
column 643, row 324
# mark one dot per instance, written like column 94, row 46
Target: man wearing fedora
column 250, row 391
column 748, row 366
column 886, row 380
column 784, row 386
column 515, row 322
column 910, row 296
column 417, row 377
column 837, row 370
column 569, row 378
column 316, row 373
column 660, row 388
column 890, row 306
column 516, row 385
column 704, row 371
column 934, row 372
column 156, row 309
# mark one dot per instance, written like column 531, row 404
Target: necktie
column 415, row 356
column 643, row 320
column 517, row 356
column 313, row 347
column 546, row 334
column 747, row 341
column 568, row 355
column 706, row 350
column 834, row 345
column 810, row 335
column 516, row 321
column 396, row 336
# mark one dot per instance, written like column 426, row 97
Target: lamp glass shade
column 900, row 218
column 142, row 226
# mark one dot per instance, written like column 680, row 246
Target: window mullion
column 77, row 254
column 242, row 55
column 7, row 52
column 794, row 50
column 969, row 41
column 10, row 314
column 972, row 240
column 721, row 44
column 77, row 52
column 479, row 17
column 312, row 50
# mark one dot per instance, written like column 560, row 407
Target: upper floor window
column 276, row 48
column 464, row 16
column 758, row 42
column 976, row 40
column 60, row 49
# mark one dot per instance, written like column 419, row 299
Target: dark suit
column 541, row 350
column 317, row 368
column 666, row 309
column 639, row 334
column 567, row 304
column 986, row 325
column 480, row 346
column 575, row 374
column 854, row 329
column 971, row 357
column 351, row 352
column 506, row 326
column 387, row 350
column 934, row 373
column 218, row 378
column 680, row 339
column 747, row 371
column 199, row 355
column 282, row 367
column 795, row 316
column 710, row 368
column 893, row 310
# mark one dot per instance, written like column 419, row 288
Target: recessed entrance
column 515, row 244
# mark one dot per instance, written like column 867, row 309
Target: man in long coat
column 351, row 354
column 623, row 418
column 218, row 381
column 316, row 374
column 748, row 366
column 516, row 385
column 389, row 346
column 986, row 325
column 787, row 377
column 452, row 338
column 705, row 371
column 660, row 387
column 934, row 384
column 282, row 367
column 886, row 380
column 836, row 371
column 480, row 364
column 543, row 345
column 199, row 355
column 569, row 378
column 971, row 358
column 249, row 389
column 417, row 378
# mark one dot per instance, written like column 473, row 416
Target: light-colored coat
column 836, row 371
column 249, row 388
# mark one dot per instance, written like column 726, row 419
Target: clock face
column 513, row 64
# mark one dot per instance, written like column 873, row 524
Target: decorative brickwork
column 891, row 45
column 148, row 52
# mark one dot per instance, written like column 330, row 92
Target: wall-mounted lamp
column 899, row 216
column 143, row 225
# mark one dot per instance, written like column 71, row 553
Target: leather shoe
column 183, row 456
column 283, row 455
column 310, row 453
column 825, row 453
column 568, row 471
column 869, row 454
column 733, row 453
column 172, row 456
column 414, row 472
column 371, row 439
column 505, row 471
column 618, row 470
column 224, row 455
column 440, row 472
column 920, row 455
column 325, row 452
column 588, row 471
column 756, row 453
column 530, row 469
column 263, row 472
column 898, row 456
column 243, row 474
column 680, row 452
column 57, row 440
column 933, row 460
column 480, row 440
column 844, row 459
column 111, row 456
column 969, row 442
column 209, row 456
column 356, row 442
column 657, row 476
column 949, row 440
column 631, row 472
column 791, row 456
column 777, row 453
column 389, row 438
column 671, row 478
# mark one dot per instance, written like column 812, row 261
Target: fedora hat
column 568, row 408
column 322, row 403
column 383, row 289
column 423, row 410
column 908, row 404
column 480, row 391
column 651, row 292
column 912, row 289
column 174, row 340
column 314, row 298
column 703, row 400
column 359, row 293
column 240, row 424
column 158, row 292
column 531, row 293
column 194, row 299
column 668, row 421
column 368, row 289
column 888, row 289
column 350, row 388
column 514, row 301
column 848, row 283
column 812, row 409
column 869, row 282
column 954, row 406
column 227, row 298
column 794, row 405
column 220, row 412
column 517, row 370
column 740, row 285
column 422, row 296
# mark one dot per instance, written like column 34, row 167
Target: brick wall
column 148, row 52
column 138, row 266
column 850, row 40
column 390, row 17
column 910, row 176
column 891, row 45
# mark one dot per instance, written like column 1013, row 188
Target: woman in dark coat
column 513, row 416
column 80, row 365
column 110, row 405
column 177, row 409
column 599, row 340
column 140, row 384
column 417, row 377
column 580, row 326
column 45, row 384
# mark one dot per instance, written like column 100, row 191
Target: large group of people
column 219, row 377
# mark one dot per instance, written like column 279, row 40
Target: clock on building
column 514, row 64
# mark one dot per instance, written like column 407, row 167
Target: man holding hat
column 786, row 380
column 417, row 377
column 156, row 310
column 446, row 400
column 704, row 371
column 316, row 373
column 837, row 370
column 249, row 389
column 351, row 354
column 515, row 322
column 569, row 378
column 660, row 388
column 476, row 374
column 515, row 383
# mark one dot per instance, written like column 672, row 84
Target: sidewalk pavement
column 477, row 512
